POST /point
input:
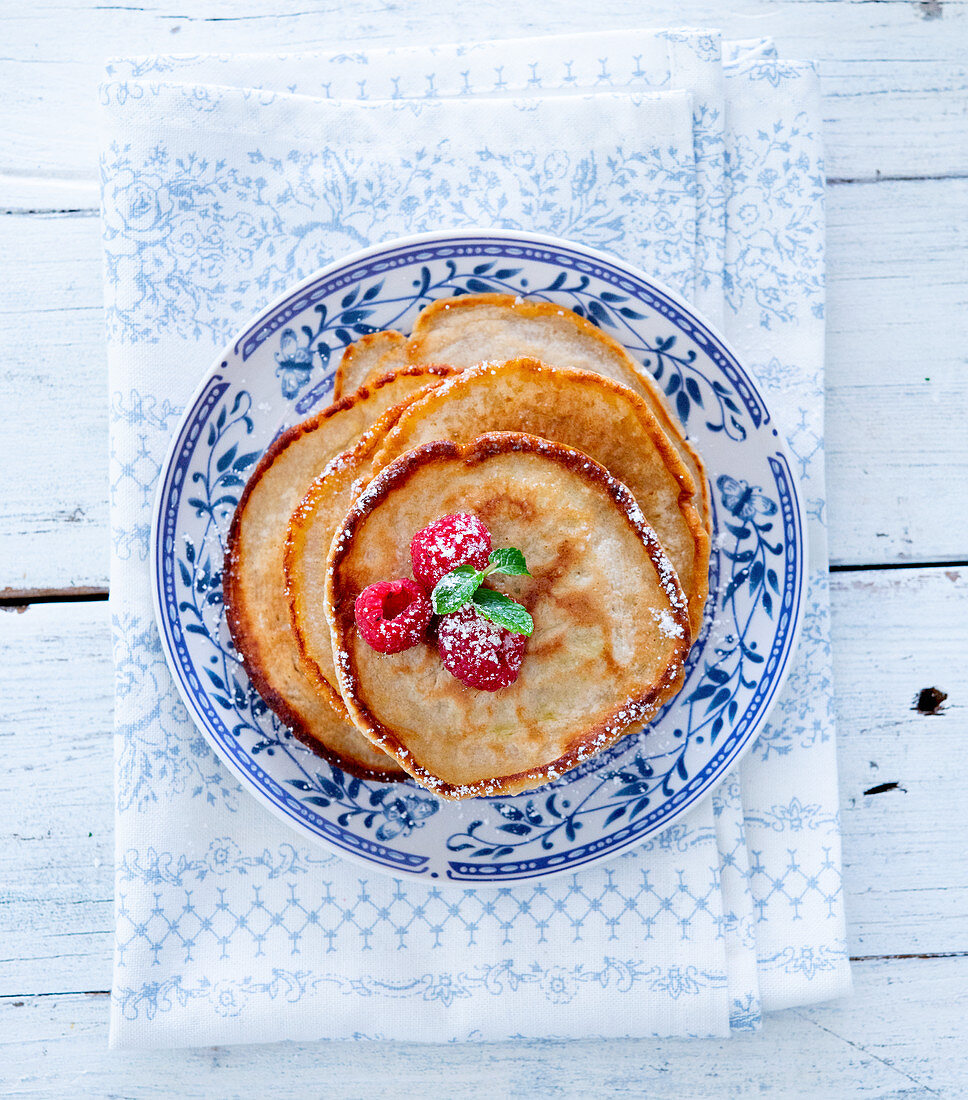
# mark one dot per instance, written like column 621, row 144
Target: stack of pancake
column 534, row 420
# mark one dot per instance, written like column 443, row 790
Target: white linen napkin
column 774, row 319
column 218, row 196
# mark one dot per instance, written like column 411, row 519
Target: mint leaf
column 510, row 561
column 503, row 611
column 455, row 588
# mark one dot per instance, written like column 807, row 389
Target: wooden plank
column 56, row 806
column 902, row 1033
column 896, row 406
column 53, row 371
column 906, row 865
column 905, row 853
column 895, row 81
column 897, row 399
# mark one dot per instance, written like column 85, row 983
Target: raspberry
column 458, row 539
column 479, row 653
column 392, row 615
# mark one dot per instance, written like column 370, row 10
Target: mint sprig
column 503, row 611
column 455, row 588
column 510, row 561
column 463, row 585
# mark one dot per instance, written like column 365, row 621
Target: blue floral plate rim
column 402, row 811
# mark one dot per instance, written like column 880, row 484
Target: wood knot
column 929, row 701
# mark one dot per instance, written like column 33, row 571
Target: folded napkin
column 227, row 179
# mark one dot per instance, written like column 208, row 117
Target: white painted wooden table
column 896, row 114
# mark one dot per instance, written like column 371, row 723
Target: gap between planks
column 882, row 566
column 17, row 999
column 18, row 598
column 832, row 181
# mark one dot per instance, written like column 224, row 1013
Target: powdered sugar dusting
column 337, row 465
column 464, row 530
column 361, row 505
column 478, row 652
column 668, row 577
column 471, row 634
column 459, row 538
column 668, row 627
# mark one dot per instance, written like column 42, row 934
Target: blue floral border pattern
column 682, row 382
column 559, row 984
column 614, row 800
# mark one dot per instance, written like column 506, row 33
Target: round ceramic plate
column 280, row 370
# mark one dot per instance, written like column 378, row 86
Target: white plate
column 280, row 370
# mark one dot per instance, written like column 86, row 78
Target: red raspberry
column 458, row 539
column 479, row 653
column 392, row 615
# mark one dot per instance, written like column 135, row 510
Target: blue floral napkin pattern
column 227, row 179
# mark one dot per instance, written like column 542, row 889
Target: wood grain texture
column 906, row 849
column 896, row 408
column 895, row 81
column 53, row 371
column 906, row 861
column 56, row 801
column 897, row 371
column 902, row 1034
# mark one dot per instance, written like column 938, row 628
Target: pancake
column 253, row 582
column 593, row 414
column 611, row 624
column 465, row 330
column 311, row 530
column 371, row 357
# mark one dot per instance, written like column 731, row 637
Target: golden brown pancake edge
column 248, row 640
